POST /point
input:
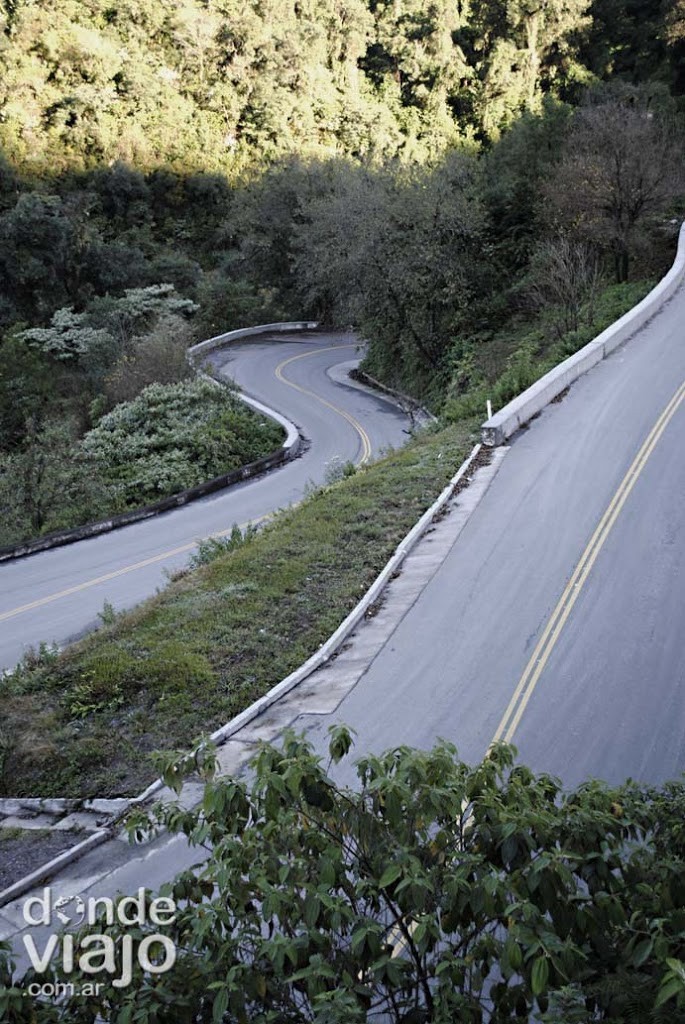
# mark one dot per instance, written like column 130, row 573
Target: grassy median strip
column 85, row 722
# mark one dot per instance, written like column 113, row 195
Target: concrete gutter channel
column 494, row 433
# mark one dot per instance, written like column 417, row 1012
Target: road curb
column 533, row 400
column 258, row 707
column 219, row 340
column 413, row 404
column 287, row 451
column 335, row 641
column 63, row 860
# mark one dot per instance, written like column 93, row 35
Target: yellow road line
column 366, row 443
column 119, row 572
column 87, row 584
column 543, row 649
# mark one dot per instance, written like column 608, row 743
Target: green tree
column 433, row 891
column 262, row 232
column 396, row 256
column 622, row 166
column 416, row 67
column 638, row 41
column 35, row 243
column 519, row 51
column 515, row 170
column 27, row 389
column 159, row 356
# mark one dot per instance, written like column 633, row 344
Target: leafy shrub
column 174, row 436
column 158, row 357
column 432, row 891
column 48, row 484
column 337, row 470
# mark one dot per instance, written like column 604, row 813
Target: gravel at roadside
column 24, row 850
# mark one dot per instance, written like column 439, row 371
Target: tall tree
column 516, row 169
column 519, row 51
column 637, row 40
column 622, row 165
column 396, row 256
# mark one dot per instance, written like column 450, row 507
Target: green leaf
column 390, row 875
column 340, row 742
column 514, row 954
column 677, row 966
column 510, row 848
column 667, row 991
column 220, row 1006
column 327, row 873
column 358, row 939
column 311, row 910
column 642, row 952
column 540, row 975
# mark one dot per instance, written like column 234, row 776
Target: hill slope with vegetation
column 273, row 159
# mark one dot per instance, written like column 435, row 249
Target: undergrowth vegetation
column 505, row 362
column 171, row 437
column 175, row 436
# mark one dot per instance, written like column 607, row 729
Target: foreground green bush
column 434, row 891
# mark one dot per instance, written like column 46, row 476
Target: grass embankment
column 85, row 722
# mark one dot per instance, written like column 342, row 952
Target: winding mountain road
column 554, row 620
column 55, row 596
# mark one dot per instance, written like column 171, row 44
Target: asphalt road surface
column 55, row 596
column 556, row 622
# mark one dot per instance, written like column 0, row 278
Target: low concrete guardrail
column 521, row 409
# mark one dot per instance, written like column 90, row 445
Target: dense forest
column 222, row 85
column 476, row 186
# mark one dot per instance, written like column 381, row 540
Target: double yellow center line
column 366, row 443
column 545, row 645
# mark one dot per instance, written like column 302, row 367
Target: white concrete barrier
column 247, row 332
column 508, row 420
